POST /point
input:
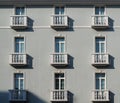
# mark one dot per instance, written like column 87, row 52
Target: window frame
column 23, row 80
column 105, row 78
column 14, row 9
column 99, row 7
column 14, row 43
column 104, row 42
column 55, row 44
column 59, row 81
column 61, row 5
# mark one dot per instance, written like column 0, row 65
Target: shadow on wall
column 4, row 97
column 32, row 98
column 111, row 64
column 70, row 97
column 112, row 97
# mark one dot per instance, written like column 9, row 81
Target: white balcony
column 100, row 21
column 18, row 59
column 100, row 96
column 17, row 95
column 18, row 22
column 59, row 21
column 59, row 59
column 59, row 96
column 99, row 59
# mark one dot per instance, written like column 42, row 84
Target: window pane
column 56, row 83
column 102, row 47
column 19, row 11
column 96, row 10
column 21, row 84
column 102, row 10
column 97, row 84
column 62, row 47
column 62, row 83
column 103, row 84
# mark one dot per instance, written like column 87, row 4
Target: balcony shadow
column 70, row 97
column 70, row 64
column 69, row 28
column 111, row 64
column 112, row 95
column 32, row 98
column 4, row 97
column 29, row 63
column 111, row 25
column 29, row 27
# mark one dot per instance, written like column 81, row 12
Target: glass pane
column 16, row 84
column 97, row 84
column 103, row 84
column 19, row 11
column 96, row 10
column 62, row 10
column 62, row 47
column 56, row 10
column 102, row 10
column 56, row 83
column 102, row 47
column 21, row 83
column 22, row 48
column 97, row 48
column 59, row 10
column 62, row 84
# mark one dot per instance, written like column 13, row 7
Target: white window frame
column 101, row 78
column 14, row 9
column 59, row 80
column 23, row 79
column 64, row 43
column 19, row 36
column 104, row 42
column 99, row 7
column 59, row 6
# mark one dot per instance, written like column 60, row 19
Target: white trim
column 60, row 36
column 19, row 36
column 100, row 36
column 100, row 72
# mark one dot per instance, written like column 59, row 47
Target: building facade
column 59, row 51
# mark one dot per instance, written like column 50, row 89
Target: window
column 59, row 10
column 100, row 45
column 59, row 45
column 100, row 81
column 99, row 10
column 19, row 45
column 59, row 81
column 19, row 81
column 19, row 10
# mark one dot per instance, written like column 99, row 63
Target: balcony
column 99, row 59
column 59, row 21
column 59, row 96
column 18, row 59
column 100, row 96
column 100, row 22
column 59, row 59
column 17, row 95
column 18, row 22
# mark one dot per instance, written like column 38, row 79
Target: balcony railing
column 18, row 22
column 59, row 95
column 17, row 95
column 59, row 59
column 59, row 21
column 100, row 59
column 100, row 95
column 18, row 59
column 100, row 21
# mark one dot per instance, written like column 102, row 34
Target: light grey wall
column 79, row 77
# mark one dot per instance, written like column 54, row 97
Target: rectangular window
column 59, row 81
column 19, row 45
column 100, row 45
column 59, row 10
column 59, row 45
column 18, row 81
column 100, row 81
column 99, row 10
column 19, row 10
